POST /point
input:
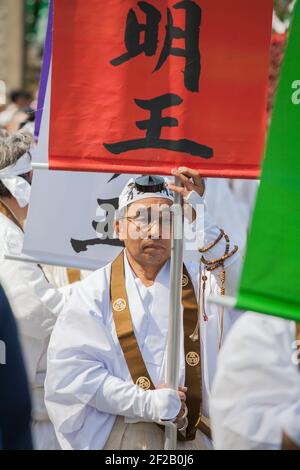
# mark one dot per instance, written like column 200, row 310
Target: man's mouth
column 153, row 246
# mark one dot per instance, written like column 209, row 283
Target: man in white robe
column 255, row 401
column 35, row 302
column 90, row 395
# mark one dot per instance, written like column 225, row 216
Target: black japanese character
column 190, row 35
column 153, row 127
column 133, row 33
column 191, row 51
column 105, row 229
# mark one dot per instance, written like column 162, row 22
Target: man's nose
column 155, row 230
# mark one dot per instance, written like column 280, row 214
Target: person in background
column 35, row 302
column 255, row 403
column 20, row 100
column 15, row 406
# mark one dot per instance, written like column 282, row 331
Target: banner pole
column 173, row 353
column 61, row 262
column 40, row 166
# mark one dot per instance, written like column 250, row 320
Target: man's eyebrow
column 163, row 209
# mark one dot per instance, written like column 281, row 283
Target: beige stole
column 4, row 209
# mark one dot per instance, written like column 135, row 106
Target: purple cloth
column 45, row 72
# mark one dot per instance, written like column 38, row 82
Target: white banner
column 63, row 221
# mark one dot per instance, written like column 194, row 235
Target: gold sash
column 133, row 355
column 9, row 214
column 73, row 275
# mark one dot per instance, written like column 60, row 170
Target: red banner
column 144, row 86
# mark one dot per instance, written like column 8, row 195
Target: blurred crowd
column 19, row 113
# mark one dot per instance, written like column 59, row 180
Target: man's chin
column 155, row 254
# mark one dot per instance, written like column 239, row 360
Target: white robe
column 230, row 202
column 88, row 382
column 256, row 392
column 36, row 305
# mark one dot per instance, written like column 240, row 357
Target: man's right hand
column 182, row 396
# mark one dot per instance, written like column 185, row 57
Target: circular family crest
column 119, row 305
column 143, row 382
column 192, row 358
column 185, row 280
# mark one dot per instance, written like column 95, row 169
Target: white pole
column 40, row 166
column 173, row 354
column 52, row 261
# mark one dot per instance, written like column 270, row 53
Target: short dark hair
column 16, row 94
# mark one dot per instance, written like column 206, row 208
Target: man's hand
column 183, row 410
column 191, row 180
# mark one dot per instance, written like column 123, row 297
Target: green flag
column 270, row 280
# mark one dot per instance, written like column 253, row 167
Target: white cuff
column 165, row 404
column 194, row 199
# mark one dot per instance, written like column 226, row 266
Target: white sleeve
column 119, row 397
column 35, row 303
column 257, row 387
column 209, row 232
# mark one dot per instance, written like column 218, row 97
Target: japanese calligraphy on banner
column 143, row 86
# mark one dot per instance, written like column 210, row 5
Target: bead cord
column 219, row 261
column 214, row 243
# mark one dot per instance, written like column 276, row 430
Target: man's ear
column 118, row 230
column 117, row 227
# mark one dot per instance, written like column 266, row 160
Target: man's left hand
column 191, row 180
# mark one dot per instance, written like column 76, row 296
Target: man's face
column 145, row 230
column 23, row 102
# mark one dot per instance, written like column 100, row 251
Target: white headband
column 17, row 186
column 130, row 194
